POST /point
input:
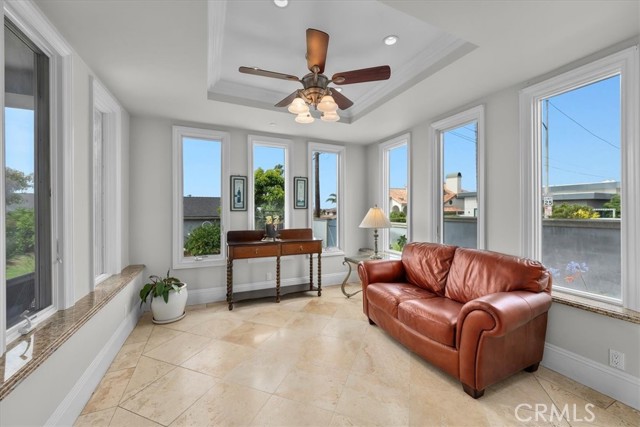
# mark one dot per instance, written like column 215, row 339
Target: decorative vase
column 271, row 231
column 171, row 311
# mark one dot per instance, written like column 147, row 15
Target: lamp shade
column 327, row 104
column 304, row 118
column 330, row 116
column 375, row 218
column 298, row 106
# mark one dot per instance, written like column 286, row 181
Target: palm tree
column 333, row 199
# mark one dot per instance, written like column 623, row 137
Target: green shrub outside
column 203, row 240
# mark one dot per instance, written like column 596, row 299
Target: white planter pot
column 167, row 312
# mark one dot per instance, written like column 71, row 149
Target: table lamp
column 375, row 219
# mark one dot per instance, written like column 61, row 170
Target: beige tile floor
column 312, row 361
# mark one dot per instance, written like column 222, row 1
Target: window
column 325, row 194
column 52, row 81
column 580, row 154
column 269, row 179
column 201, row 196
column 395, row 192
column 459, row 147
column 28, row 215
column 107, row 171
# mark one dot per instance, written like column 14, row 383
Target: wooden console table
column 245, row 244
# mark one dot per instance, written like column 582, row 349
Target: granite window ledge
column 603, row 308
column 27, row 353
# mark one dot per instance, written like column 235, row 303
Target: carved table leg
column 319, row 275
column 278, row 279
column 310, row 272
column 230, row 283
column 346, row 279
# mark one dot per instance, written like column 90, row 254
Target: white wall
column 150, row 205
column 579, row 332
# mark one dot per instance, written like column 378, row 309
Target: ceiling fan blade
column 265, row 73
column 317, row 45
column 364, row 75
column 288, row 100
column 342, row 101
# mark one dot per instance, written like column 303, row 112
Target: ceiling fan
column 316, row 91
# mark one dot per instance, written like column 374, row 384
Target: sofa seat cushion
column 435, row 318
column 427, row 265
column 387, row 296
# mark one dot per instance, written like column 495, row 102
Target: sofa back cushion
column 476, row 273
column 427, row 265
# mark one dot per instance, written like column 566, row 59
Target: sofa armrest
column 378, row 271
column 503, row 312
column 499, row 334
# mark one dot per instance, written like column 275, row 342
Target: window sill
column 598, row 307
column 26, row 354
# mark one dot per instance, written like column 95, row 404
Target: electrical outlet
column 616, row 359
column 269, row 276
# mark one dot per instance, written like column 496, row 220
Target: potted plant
column 168, row 298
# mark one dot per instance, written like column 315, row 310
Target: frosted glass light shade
column 327, row 104
column 304, row 118
column 298, row 106
column 330, row 116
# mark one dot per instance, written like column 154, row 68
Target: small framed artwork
column 238, row 193
column 300, row 192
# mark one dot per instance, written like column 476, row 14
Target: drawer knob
column 300, row 248
column 256, row 252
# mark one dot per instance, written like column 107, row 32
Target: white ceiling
column 153, row 55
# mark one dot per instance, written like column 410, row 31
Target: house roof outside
column 201, row 207
column 398, row 195
column 448, row 194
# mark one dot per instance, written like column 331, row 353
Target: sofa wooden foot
column 472, row 391
column 533, row 367
column 371, row 322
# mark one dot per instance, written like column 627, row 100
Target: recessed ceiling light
column 390, row 40
column 281, row 3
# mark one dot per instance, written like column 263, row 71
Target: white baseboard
column 605, row 379
column 205, row 296
column 71, row 406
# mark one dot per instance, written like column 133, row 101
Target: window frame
column 268, row 141
column 179, row 261
column 111, row 178
column 340, row 151
column 30, row 20
column 383, row 154
column 624, row 63
column 437, row 131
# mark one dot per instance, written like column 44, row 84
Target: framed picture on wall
column 300, row 192
column 238, row 193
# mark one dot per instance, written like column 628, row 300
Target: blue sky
column 459, row 154
column 584, row 134
column 201, row 177
column 584, row 140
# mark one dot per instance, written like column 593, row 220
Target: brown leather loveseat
column 480, row 316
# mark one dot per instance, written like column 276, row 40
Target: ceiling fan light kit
column 298, row 106
column 304, row 118
column 316, row 92
column 331, row 116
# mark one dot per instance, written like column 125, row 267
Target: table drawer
column 301, row 248
column 255, row 251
